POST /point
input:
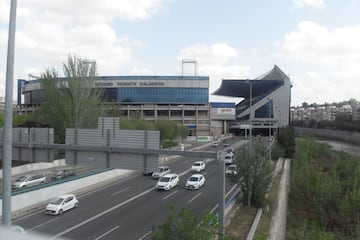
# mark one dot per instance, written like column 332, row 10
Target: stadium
column 185, row 100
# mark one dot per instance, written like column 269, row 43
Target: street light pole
column 221, row 158
column 250, row 144
column 279, row 121
column 269, row 101
column 7, row 135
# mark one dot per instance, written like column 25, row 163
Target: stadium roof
column 262, row 84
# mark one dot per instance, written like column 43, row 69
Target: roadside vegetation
column 324, row 200
column 184, row 225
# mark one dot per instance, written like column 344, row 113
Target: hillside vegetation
column 324, row 200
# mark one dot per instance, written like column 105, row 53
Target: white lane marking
column 26, row 216
column 101, row 214
column 227, row 194
column 192, row 199
column 185, row 172
column 184, row 163
column 166, row 197
column 122, row 190
column 106, row 233
column 81, row 195
column 42, row 224
column 145, row 235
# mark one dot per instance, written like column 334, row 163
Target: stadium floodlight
column 189, row 61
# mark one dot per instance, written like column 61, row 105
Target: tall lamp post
column 7, row 135
column 269, row 104
column 279, row 121
column 250, row 143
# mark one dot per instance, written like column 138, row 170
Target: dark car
column 63, row 174
column 226, row 144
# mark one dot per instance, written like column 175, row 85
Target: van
column 29, row 180
column 229, row 158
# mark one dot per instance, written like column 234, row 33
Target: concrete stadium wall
column 35, row 198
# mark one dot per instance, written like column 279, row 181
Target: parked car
column 162, row 170
column 63, row 174
column 29, row 180
column 62, row 204
column 167, row 182
column 231, row 170
column 215, row 144
column 198, row 166
column 195, row 181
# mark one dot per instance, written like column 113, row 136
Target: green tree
column 286, row 138
column 166, row 129
column 20, row 120
column 186, row 226
column 255, row 172
column 183, row 131
column 126, row 124
column 70, row 102
column 1, row 119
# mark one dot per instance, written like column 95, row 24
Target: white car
column 231, row 170
column 62, row 204
column 162, row 170
column 167, row 182
column 198, row 166
column 29, row 180
column 229, row 158
column 195, row 181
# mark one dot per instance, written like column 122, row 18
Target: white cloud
column 218, row 61
column 47, row 31
column 311, row 3
column 92, row 11
column 334, row 53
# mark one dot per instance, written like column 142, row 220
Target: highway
column 128, row 209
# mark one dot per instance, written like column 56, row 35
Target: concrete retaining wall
column 35, row 166
column 343, row 136
column 33, row 199
column 279, row 220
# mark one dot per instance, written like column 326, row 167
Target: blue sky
column 315, row 42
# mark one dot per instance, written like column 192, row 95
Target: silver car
column 29, row 180
column 162, row 170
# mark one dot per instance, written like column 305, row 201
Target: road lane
column 133, row 204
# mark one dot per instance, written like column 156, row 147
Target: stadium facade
column 266, row 102
column 185, row 99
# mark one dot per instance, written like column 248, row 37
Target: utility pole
column 269, row 101
column 7, row 137
column 221, row 195
column 250, row 145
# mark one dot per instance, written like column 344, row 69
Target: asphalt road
column 128, row 209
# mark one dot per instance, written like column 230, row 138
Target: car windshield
column 193, row 179
column 162, row 169
column 197, row 164
column 21, row 179
column 57, row 201
column 232, row 168
column 164, row 179
column 60, row 173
